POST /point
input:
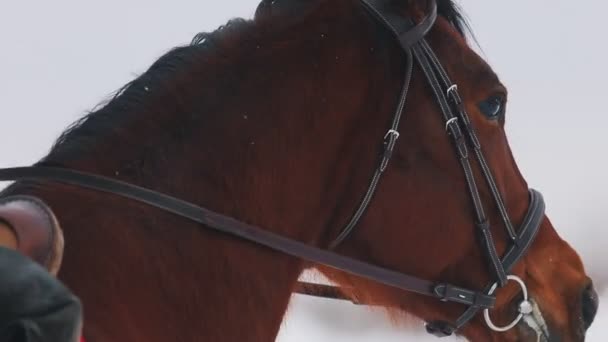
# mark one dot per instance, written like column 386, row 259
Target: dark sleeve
column 34, row 305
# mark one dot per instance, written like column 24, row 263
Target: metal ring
column 486, row 312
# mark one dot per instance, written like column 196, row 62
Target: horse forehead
column 457, row 56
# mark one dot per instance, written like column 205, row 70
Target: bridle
column 411, row 37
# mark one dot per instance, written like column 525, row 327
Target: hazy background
column 60, row 58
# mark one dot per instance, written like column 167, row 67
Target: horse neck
column 145, row 275
column 282, row 162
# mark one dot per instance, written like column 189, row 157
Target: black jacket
column 34, row 305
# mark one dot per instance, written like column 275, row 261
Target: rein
column 252, row 233
column 459, row 127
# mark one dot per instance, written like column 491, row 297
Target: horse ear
column 29, row 226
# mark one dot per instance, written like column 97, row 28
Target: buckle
column 391, row 132
column 453, row 94
column 450, row 122
column 390, row 138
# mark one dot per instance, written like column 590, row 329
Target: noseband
column 459, row 128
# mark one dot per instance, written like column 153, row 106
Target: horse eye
column 492, row 107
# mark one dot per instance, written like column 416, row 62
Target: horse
column 356, row 131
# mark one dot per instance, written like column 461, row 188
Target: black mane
column 108, row 116
column 112, row 114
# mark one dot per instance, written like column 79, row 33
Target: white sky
column 60, row 58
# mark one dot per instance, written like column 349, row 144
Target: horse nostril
column 590, row 302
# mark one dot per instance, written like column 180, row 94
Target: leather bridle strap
column 405, row 31
column 529, row 228
column 527, row 233
column 408, row 34
column 444, row 88
column 453, row 94
column 390, row 139
column 449, row 101
column 454, row 130
column 229, row 225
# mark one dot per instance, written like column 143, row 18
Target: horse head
column 369, row 128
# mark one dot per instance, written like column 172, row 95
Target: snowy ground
column 60, row 58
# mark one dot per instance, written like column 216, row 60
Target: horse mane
column 206, row 50
column 134, row 97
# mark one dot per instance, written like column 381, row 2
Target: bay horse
column 280, row 122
